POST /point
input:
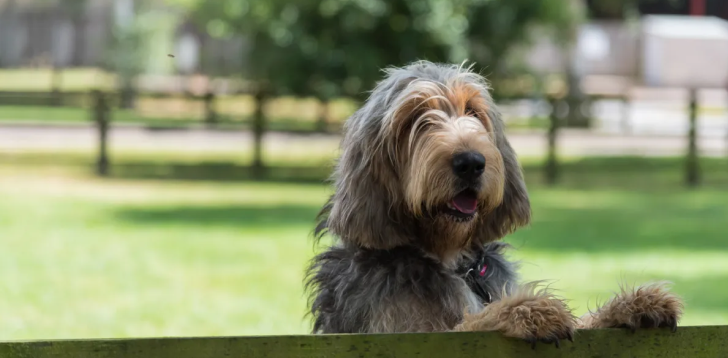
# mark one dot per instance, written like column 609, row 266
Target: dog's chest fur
column 398, row 290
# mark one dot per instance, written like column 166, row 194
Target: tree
column 338, row 47
column 333, row 48
column 498, row 27
column 342, row 46
column 128, row 51
column 325, row 48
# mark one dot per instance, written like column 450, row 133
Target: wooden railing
column 693, row 342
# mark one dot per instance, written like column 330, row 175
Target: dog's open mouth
column 464, row 205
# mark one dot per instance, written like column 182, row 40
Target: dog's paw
column 528, row 314
column 649, row 306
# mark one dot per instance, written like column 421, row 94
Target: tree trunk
column 551, row 166
column 322, row 123
column 56, row 83
column 576, row 100
column 79, row 40
column 551, row 169
column 128, row 93
column 536, row 97
column 101, row 117
column 692, row 176
column 258, row 131
column 210, row 113
column 575, row 97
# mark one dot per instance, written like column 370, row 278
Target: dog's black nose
column 468, row 165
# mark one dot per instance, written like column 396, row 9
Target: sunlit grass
column 85, row 257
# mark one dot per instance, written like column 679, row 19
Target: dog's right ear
column 365, row 209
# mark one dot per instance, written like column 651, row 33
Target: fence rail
column 695, row 342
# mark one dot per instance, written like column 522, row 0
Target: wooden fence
column 694, row 342
column 103, row 104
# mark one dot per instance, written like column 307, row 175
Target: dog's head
column 425, row 162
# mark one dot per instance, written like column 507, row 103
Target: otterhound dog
column 426, row 186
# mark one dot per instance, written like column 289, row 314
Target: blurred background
column 162, row 161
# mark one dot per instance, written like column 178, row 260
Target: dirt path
column 571, row 142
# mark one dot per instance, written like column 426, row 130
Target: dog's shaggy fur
column 426, row 185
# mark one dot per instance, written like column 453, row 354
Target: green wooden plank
column 695, row 342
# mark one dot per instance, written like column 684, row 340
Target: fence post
column 101, row 117
column 322, row 123
column 56, row 81
column 258, row 130
column 210, row 113
column 551, row 169
column 692, row 166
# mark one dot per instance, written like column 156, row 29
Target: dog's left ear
column 515, row 209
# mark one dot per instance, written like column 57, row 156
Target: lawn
column 285, row 114
column 170, row 117
column 85, row 257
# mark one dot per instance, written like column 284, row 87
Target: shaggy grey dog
column 426, row 186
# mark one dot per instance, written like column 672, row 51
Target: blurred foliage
column 128, row 54
column 495, row 27
column 332, row 48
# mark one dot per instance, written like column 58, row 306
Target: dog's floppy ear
column 365, row 209
column 515, row 209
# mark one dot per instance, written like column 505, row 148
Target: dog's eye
column 470, row 112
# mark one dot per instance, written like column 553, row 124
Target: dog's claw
column 570, row 337
column 534, row 341
column 673, row 325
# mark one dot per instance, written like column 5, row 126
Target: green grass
column 84, row 257
column 61, row 114
column 75, row 116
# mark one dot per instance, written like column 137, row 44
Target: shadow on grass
column 629, row 173
column 247, row 216
column 624, row 173
column 601, row 204
column 173, row 170
column 625, row 227
column 220, row 171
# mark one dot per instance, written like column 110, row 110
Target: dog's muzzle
column 468, row 167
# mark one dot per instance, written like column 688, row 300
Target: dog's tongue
column 466, row 203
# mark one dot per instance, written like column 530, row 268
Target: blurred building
column 53, row 33
column 76, row 33
column 79, row 33
column 622, row 46
column 616, row 9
